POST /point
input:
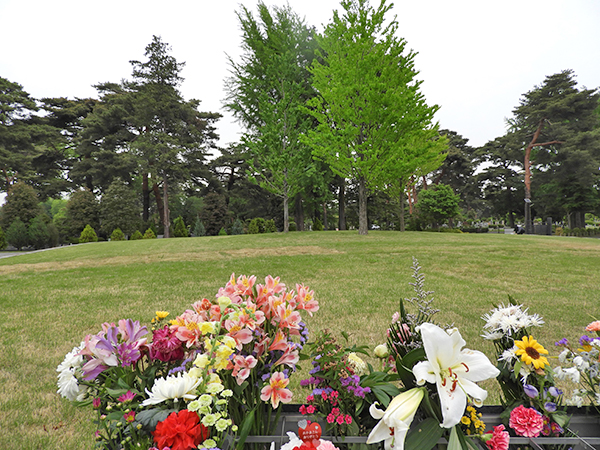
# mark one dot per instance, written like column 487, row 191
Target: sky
column 475, row 57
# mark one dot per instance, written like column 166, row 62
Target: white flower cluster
column 173, row 387
column 68, row 384
column 581, row 366
column 505, row 321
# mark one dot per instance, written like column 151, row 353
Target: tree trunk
column 159, row 201
column 401, row 199
column 299, row 212
column 342, row 204
column 286, row 214
column 362, row 207
column 145, row 199
column 325, row 221
column 166, row 212
column 511, row 219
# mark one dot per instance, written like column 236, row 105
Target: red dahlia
column 180, row 431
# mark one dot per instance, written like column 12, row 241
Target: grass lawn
column 50, row 300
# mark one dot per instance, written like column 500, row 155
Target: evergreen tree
column 118, row 235
column 438, row 204
column 199, row 229
column 21, row 201
column 179, row 228
column 82, row 209
column 119, row 208
column 16, row 234
column 39, row 235
column 149, row 234
column 88, row 234
column 215, row 214
column 137, row 234
column 237, row 227
column 3, row 242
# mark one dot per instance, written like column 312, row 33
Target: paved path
column 5, row 254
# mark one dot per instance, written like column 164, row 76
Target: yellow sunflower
column 531, row 352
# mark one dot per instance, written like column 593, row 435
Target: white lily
column 454, row 370
column 396, row 419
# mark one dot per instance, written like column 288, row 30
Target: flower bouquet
column 220, row 368
column 533, row 403
column 439, row 380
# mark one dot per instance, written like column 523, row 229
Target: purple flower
column 550, row 406
column 555, row 392
column 563, row 342
column 583, row 340
column 530, row 391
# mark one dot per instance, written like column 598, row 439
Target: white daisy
column 173, row 387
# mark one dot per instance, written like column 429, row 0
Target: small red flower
column 180, row 431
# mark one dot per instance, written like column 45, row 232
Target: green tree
column 88, row 234
column 199, row 229
column 372, row 117
column 149, row 234
column 557, row 125
column 3, row 242
column 215, row 215
column 118, row 235
column 39, row 235
column 137, row 234
column 82, row 209
column 237, row 227
column 438, row 204
column 172, row 133
column 16, row 234
column 119, row 208
column 21, row 201
column 179, row 228
column 266, row 93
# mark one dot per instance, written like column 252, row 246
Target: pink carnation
column 326, row 445
column 500, row 439
column 526, row 421
column 594, row 326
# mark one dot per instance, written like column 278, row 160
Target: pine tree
column 179, row 228
column 17, row 235
column 88, row 235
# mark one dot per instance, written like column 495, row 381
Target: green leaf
column 150, row 417
column 245, row 429
column 424, row 436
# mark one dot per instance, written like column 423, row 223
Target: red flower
column 526, row 421
column 500, row 439
column 180, row 431
column 165, row 345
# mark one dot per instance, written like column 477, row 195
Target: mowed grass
column 50, row 300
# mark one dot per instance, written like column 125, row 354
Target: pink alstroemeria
column 305, row 299
column 279, row 342
column 276, row 390
column 242, row 366
column 290, row 357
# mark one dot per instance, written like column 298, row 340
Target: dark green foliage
column 256, row 226
column 21, row 201
column 39, row 235
column 118, row 235
column 82, row 210
column 222, row 232
column 293, row 226
column 53, row 234
column 149, row 234
column 270, row 226
column 120, row 208
column 3, row 242
column 17, row 235
column 136, row 235
column 214, row 215
column 179, row 229
column 199, row 229
column 317, row 225
column 237, row 227
column 88, row 235
column 438, row 204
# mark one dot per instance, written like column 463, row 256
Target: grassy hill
column 50, row 300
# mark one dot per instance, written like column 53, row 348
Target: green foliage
column 270, row 226
column 293, row 226
column 39, row 235
column 82, row 210
column 119, row 208
column 17, row 235
column 214, row 214
column 237, row 227
column 22, row 202
column 256, row 226
column 222, row 232
column 179, row 229
column 136, row 235
column 437, row 204
column 118, row 235
column 199, row 229
column 3, row 242
column 317, row 225
column 88, row 235
column 149, row 234
column 363, row 70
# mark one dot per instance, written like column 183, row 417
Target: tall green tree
column 266, row 93
column 438, row 204
column 82, row 209
column 557, row 126
column 120, row 208
column 372, row 116
column 21, row 202
column 171, row 132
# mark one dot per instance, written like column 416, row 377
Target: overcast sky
column 475, row 57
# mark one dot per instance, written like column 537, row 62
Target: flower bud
column 381, row 351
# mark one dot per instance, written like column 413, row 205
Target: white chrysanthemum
column 68, row 384
column 492, row 336
column 508, row 320
column 508, row 355
column 174, row 387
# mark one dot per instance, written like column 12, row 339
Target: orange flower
column 594, row 326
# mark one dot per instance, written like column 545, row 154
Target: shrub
column 53, row 235
column 117, row 235
column 317, row 225
column 88, row 235
column 237, row 227
column 270, row 226
column 38, row 232
column 254, row 227
column 180, row 230
column 293, row 226
column 17, row 235
column 199, row 229
column 222, row 232
column 2, row 240
column 149, row 234
column 136, row 235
